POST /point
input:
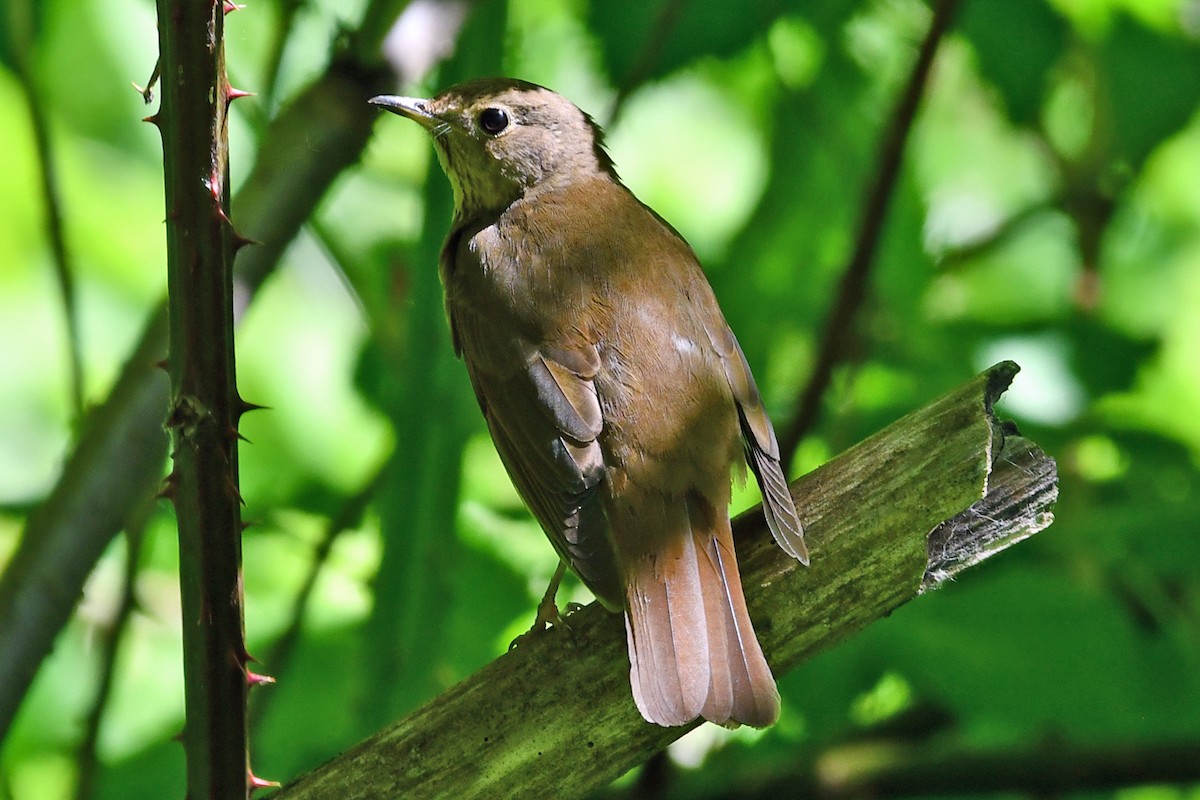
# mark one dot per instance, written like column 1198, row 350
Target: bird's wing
column 544, row 416
column 762, row 449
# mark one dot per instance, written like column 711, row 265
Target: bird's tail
column 692, row 650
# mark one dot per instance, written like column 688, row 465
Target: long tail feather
column 692, row 649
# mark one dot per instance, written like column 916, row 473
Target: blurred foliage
column 1047, row 212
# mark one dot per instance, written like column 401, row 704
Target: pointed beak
column 415, row 108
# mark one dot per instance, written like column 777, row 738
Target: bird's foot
column 548, row 614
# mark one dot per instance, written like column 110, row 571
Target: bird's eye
column 493, row 120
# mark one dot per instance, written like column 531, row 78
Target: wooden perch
column 937, row 491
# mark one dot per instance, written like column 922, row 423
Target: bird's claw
column 548, row 616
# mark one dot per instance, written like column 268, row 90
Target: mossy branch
column 887, row 520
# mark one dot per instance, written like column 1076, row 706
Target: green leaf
column 1152, row 81
column 783, row 264
column 643, row 41
column 1105, row 358
column 1016, row 43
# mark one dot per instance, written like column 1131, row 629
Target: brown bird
column 617, row 396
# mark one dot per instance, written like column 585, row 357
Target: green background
column 1047, row 211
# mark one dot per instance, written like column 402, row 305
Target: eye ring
column 493, row 120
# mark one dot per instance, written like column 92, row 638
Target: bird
column 616, row 394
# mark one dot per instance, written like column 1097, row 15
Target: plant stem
column 109, row 648
column 205, row 406
column 855, row 279
column 22, row 42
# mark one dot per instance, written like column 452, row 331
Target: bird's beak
column 415, row 108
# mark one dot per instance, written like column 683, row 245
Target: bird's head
column 497, row 138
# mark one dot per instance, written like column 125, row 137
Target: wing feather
column 544, row 416
column 762, row 449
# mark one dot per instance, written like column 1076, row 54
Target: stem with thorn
column 204, row 406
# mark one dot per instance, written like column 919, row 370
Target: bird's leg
column 547, row 610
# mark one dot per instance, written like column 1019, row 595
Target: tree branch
column 64, row 270
column 108, row 651
column 65, row 535
column 853, row 288
column 20, row 33
column 894, row 769
column 647, row 57
column 1051, row 768
column 554, row 718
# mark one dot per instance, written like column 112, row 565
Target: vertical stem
column 204, row 402
column 19, row 23
column 109, row 647
column 855, row 279
column 58, row 241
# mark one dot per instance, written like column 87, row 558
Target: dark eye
column 493, row 120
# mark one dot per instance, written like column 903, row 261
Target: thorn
column 242, row 657
column 232, row 94
column 240, row 241
column 258, row 783
column 238, row 657
column 244, row 525
column 232, row 7
column 153, row 120
column 169, row 488
column 241, row 406
column 229, row 485
column 254, row 679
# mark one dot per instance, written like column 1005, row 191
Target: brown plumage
column 615, row 392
